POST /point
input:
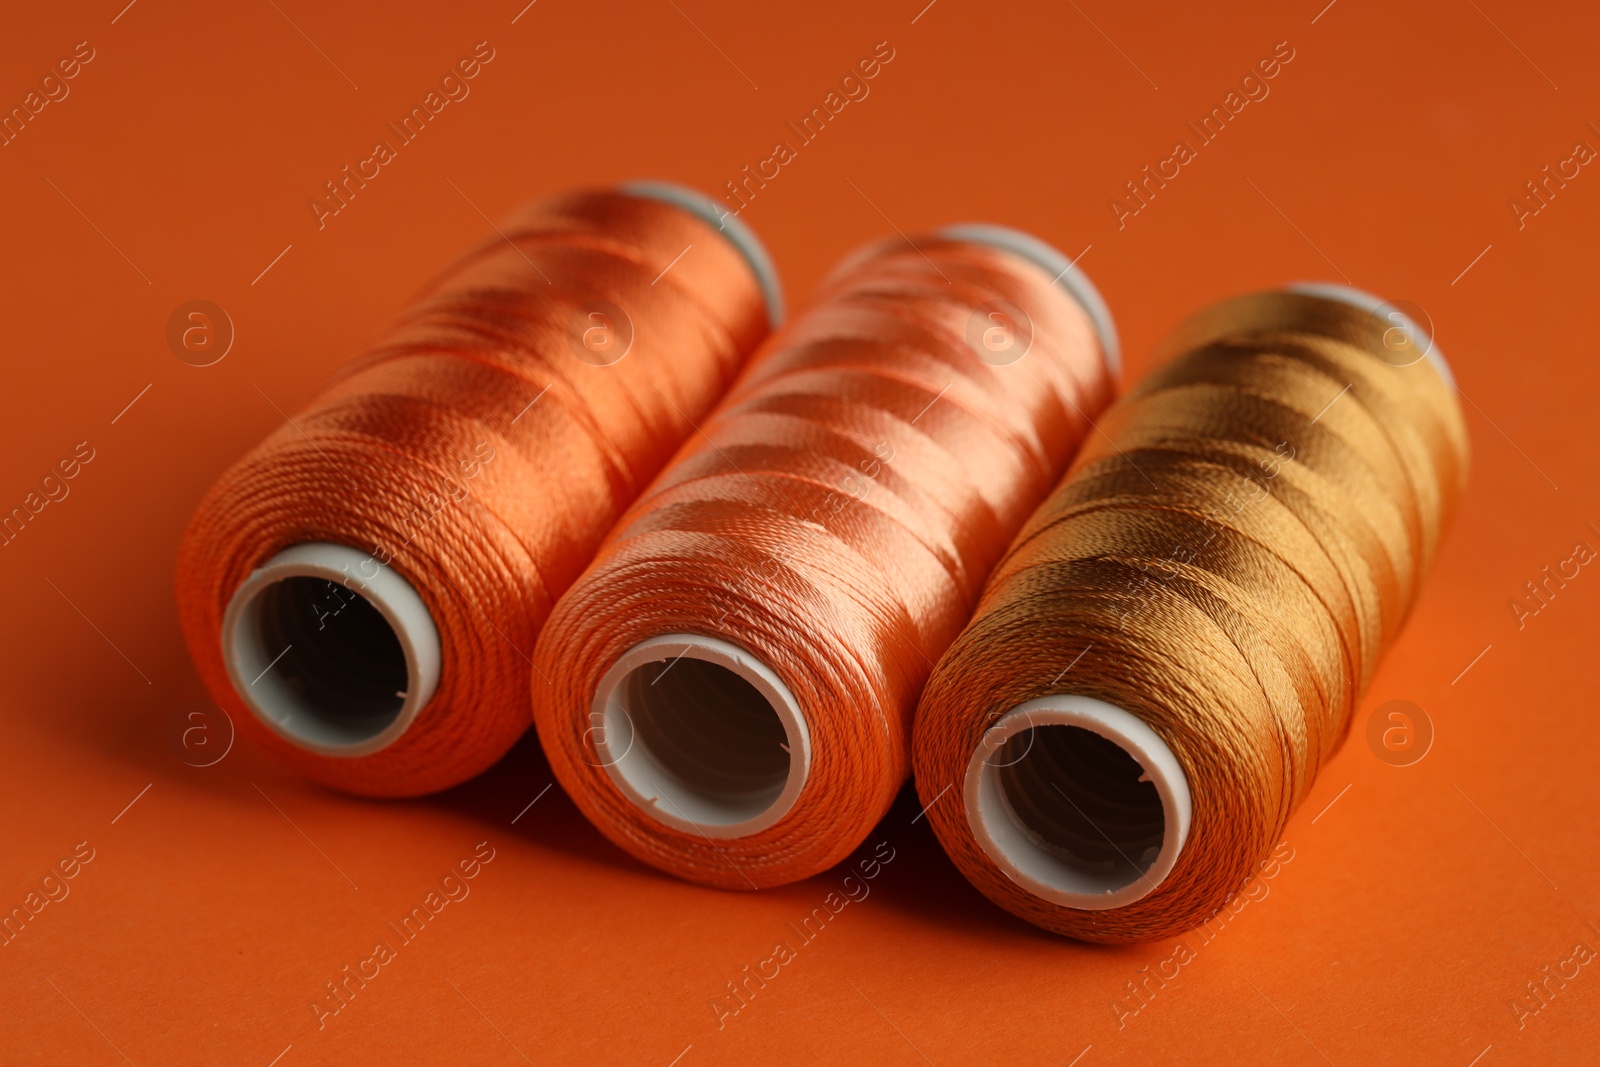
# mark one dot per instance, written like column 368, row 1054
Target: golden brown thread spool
column 734, row 675
column 364, row 588
column 1174, row 645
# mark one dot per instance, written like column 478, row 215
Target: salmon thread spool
column 365, row 586
column 1175, row 644
column 733, row 677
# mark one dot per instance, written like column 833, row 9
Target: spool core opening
column 339, row 654
column 1078, row 801
column 1083, row 799
column 329, row 658
column 701, row 735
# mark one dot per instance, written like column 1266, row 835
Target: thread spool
column 365, row 586
column 734, row 674
column 1176, row 642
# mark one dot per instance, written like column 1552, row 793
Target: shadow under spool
column 703, row 736
column 1072, row 806
column 338, row 656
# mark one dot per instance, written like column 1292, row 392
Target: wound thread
column 733, row 677
column 1223, row 569
column 405, row 534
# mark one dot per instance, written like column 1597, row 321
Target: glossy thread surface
column 1228, row 562
column 482, row 448
column 835, row 519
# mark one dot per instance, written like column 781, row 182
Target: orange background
column 216, row 906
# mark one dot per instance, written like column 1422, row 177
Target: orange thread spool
column 364, row 587
column 1176, row 643
column 733, row 677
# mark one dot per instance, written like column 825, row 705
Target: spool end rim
column 999, row 833
column 1349, row 294
column 731, row 227
column 258, row 673
column 614, row 733
column 1065, row 272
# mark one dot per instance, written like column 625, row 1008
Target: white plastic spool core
column 728, row 224
column 334, row 652
column 1063, row 271
column 700, row 735
column 1349, row 294
column 1078, row 802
